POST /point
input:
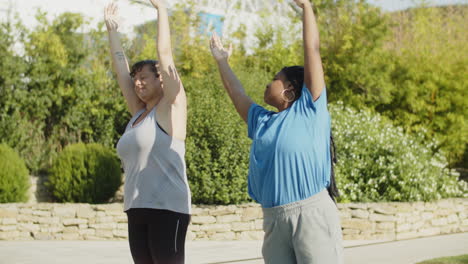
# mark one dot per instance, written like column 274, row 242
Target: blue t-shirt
column 290, row 152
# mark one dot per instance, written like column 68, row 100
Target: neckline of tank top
column 133, row 125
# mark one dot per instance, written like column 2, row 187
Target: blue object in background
column 210, row 23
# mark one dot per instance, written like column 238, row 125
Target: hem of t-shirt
column 295, row 201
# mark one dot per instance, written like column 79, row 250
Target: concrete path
column 240, row 252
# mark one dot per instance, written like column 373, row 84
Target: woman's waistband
column 290, row 208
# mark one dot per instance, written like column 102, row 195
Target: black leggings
column 157, row 236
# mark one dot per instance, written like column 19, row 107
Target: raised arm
column 313, row 70
column 119, row 60
column 232, row 85
column 172, row 90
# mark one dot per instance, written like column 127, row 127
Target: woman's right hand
column 218, row 51
column 110, row 17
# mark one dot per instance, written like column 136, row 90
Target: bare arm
column 119, row 60
column 232, row 85
column 172, row 90
column 313, row 70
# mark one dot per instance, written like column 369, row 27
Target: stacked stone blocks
column 360, row 221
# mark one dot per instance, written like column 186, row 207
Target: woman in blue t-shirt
column 290, row 161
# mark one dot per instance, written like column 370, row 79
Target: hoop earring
column 285, row 96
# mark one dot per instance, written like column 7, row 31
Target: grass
column 463, row 259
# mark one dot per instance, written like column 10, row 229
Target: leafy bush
column 430, row 76
column 14, row 176
column 59, row 91
column 217, row 145
column 378, row 162
column 85, row 174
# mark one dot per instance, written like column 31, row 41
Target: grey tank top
column 154, row 165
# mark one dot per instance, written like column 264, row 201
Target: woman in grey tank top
column 152, row 149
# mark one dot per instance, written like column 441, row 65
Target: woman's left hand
column 302, row 3
column 110, row 17
column 157, row 3
column 218, row 51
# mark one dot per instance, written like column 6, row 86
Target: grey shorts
column 306, row 231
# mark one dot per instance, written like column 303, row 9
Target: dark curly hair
column 137, row 67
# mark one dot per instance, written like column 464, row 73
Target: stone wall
column 397, row 221
column 367, row 221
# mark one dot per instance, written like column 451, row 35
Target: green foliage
column 217, row 143
column 14, row 176
column 16, row 130
column 59, row 92
column 431, row 76
column 273, row 51
column 357, row 68
column 85, row 174
column 379, row 162
column 217, row 151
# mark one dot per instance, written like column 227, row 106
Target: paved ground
column 240, row 252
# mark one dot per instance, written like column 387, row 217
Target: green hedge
column 14, row 176
column 378, row 162
column 85, row 174
column 217, row 145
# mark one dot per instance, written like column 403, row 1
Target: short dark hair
column 295, row 74
column 137, row 67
